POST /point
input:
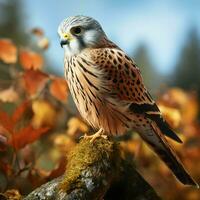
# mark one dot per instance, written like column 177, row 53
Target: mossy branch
column 96, row 171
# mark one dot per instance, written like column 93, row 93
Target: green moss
column 84, row 155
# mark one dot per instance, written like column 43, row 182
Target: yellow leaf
column 75, row 125
column 44, row 114
column 63, row 143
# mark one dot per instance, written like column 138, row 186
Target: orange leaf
column 8, row 51
column 6, row 121
column 34, row 80
column 9, row 95
column 59, row 89
column 30, row 60
column 19, row 111
column 26, row 136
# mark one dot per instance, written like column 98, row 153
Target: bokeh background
column 163, row 37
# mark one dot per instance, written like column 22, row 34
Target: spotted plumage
column 109, row 92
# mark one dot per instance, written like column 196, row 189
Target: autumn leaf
column 174, row 97
column 44, row 114
column 9, row 122
column 26, row 136
column 6, row 121
column 75, row 125
column 9, row 95
column 34, row 81
column 30, row 60
column 19, row 111
column 63, row 143
column 59, row 89
column 186, row 103
column 19, row 138
column 190, row 109
column 8, row 51
column 37, row 32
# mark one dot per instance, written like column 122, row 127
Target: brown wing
column 126, row 84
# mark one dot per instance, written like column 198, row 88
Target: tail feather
column 164, row 127
column 157, row 141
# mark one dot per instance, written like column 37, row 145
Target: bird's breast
column 84, row 87
column 89, row 93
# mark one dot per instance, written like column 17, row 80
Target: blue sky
column 162, row 25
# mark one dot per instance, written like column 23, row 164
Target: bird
column 108, row 90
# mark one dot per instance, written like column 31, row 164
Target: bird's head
column 79, row 32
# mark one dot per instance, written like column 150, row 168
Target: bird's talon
column 104, row 136
column 94, row 136
column 85, row 136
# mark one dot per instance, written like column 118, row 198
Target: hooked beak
column 63, row 42
column 65, row 39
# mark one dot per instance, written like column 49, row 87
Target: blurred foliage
column 38, row 126
column 143, row 61
column 11, row 21
column 11, row 26
column 187, row 69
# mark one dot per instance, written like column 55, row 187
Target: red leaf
column 26, row 136
column 34, row 80
column 6, row 121
column 18, row 113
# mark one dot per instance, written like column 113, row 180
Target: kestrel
column 109, row 92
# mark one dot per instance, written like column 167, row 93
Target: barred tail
column 157, row 141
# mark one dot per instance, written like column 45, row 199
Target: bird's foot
column 96, row 135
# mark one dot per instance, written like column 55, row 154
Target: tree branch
column 96, row 171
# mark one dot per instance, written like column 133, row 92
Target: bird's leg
column 94, row 136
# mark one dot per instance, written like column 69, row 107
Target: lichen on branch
column 96, row 171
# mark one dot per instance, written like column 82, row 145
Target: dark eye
column 76, row 30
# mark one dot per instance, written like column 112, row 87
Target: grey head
column 79, row 32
